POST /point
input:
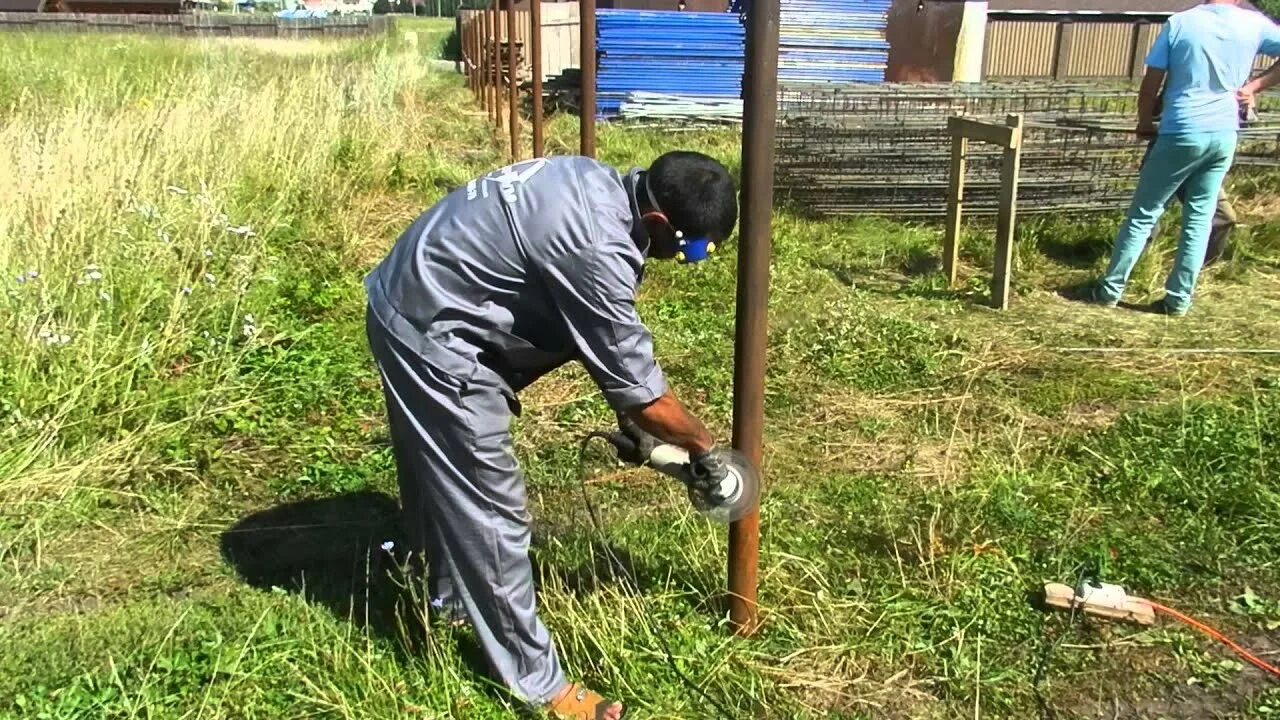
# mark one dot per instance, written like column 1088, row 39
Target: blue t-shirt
column 1208, row 54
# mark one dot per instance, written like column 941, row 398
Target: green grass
column 194, row 486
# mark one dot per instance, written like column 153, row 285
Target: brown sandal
column 579, row 703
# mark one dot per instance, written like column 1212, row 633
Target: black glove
column 708, row 471
column 634, row 445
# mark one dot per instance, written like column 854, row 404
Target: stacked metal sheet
column 696, row 56
column 833, row 41
column 830, row 41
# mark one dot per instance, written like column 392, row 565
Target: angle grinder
column 735, row 496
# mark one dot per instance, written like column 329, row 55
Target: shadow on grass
column 330, row 551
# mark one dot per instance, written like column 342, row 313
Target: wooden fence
column 200, row 24
column 560, row 36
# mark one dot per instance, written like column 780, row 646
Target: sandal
column 578, row 703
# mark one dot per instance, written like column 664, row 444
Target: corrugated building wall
column 1060, row 48
column 1101, row 50
column 1019, row 49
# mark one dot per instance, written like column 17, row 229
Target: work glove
column 633, row 444
column 708, row 471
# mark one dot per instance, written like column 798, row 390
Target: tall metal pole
column 486, row 31
column 496, row 60
column 469, row 54
column 535, row 61
column 587, row 59
column 513, row 105
column 759, row 113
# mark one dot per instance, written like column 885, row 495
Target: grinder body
column 729, row 500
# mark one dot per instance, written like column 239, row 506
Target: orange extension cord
column 1251, row 659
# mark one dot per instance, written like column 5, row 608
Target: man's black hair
column 695, row 193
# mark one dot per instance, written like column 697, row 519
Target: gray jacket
column 522, row 270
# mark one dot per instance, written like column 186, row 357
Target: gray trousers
column 464, row 500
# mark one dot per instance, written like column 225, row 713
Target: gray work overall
column 504, row 280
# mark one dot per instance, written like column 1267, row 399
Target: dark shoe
column 1163, row 307
column 1090, row 294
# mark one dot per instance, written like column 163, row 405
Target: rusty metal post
column 482, row 52
column 759, row 113
column 535, row 64
column 495, row 58
column 469, row 55
column 513, row 104
column 457, row 32
column 587, row 59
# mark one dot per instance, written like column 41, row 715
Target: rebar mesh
column 885, row 149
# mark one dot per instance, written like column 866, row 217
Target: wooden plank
column 1006, row 221
column 955, row 207
column 1001, row 135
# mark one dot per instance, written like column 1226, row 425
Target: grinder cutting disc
column 737, row 496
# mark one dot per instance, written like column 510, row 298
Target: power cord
column 1046, row 710
column 621, row 567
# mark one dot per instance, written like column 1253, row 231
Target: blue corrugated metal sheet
column 833, row 41
column 830, row 41
column 675, row 53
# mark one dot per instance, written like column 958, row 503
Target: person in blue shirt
column 1202, row 61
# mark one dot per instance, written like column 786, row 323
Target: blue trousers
column 1196, row 163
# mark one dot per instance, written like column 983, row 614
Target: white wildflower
column 21, row 279
column 64, row 339
column 388, row 546
column 44, row 333
column 32, row 274
column 242, row 231
column 93, row 275
column 104, row 296
column 186, row 291
column 164, row 237
column 208, row 254
column 210, row 279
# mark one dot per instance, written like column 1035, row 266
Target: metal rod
column 473, row 72
column 496, row 72
column 587, row 59
column 535, row 59
column 513, row 104
column 457, row 32
column 760, row 107
column 486, row 30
